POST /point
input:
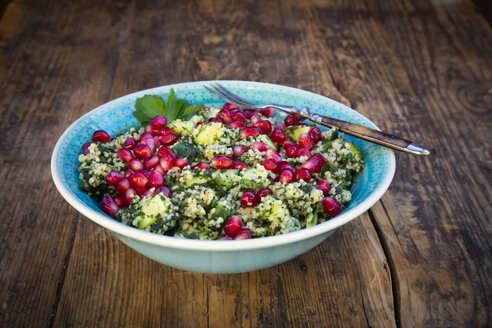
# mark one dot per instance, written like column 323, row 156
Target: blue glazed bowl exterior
column 218, row 256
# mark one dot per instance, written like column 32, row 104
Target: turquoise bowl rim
column 213, row 245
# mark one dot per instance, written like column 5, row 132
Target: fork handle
column 362, row 132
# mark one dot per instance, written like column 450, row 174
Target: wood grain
column 421, row 257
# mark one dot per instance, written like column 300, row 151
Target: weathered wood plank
column 46, row 51
column 435, row 91
column 295, row 293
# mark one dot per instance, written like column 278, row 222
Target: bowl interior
column 115, row 117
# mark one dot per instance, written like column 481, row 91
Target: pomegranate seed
column 228, row 106
column 225, row 116
column 279, row 125
column 303, row 152
column 331, row 206
column 151, row 162
column 123, row 186
column 146, row 135
column 238, row 116
column 108, row 206
column 233, row 226
column 175, row 168
column 225, row 238
column 146, row 173
column 118, row 201
column 163, row 190
column 151, row 130
column 306, row 141
column 85, row 148
column 313, row 164
column 135, row 165
column 302, row 174
column 324, row 186
column 125, row 155
column 181, row 162
column 278, row 136
column 255, row 119
column 245, row 233
column 285, row 166
column 291, row 152
column 259, row 146
column 198, row 123
column 248, row 199
column 263, row 192
column 289, row 144
column 158, row 122
column 141, row 190
column 239, row 150
column 150, row 143
column 267, row 112
column 165, row 131
column 148, row 193
column 315, row 134
column 112, row 178
column 138, row 180
column 238, row 165
column 221, row 162
column 270, row 165
column 167, row 162
column 249, row 113
column 202, row 166
column 265, row 126
column 286, row 176
column 215, row 120
column 143, row 151
column 158, row 168
column 101, row 136
column 156, row 142
column 291, row 120
column 321, row 158
column 130, row 143
column 156, row 180
column 128, row 173
column 129, row 194
column 165, row 150
column 237, row 125
column 168, row 139
column 272, row 154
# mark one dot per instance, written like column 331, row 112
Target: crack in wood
column 392, row 269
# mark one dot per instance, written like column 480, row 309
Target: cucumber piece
column 356, row 151
column 225, row 178
column 183, row 128
column 293, row 132
column 254, row 178
column 208, row 133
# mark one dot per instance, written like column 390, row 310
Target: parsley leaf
column 149, row 106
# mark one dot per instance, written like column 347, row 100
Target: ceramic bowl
column 218, row 256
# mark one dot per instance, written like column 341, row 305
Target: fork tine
column 233, row 96
column 216, row 91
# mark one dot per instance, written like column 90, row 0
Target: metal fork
column 359, row 131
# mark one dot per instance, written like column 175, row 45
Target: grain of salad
column 223, row 173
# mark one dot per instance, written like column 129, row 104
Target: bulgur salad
column 225, row 173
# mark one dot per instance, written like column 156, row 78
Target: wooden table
column 422, row 69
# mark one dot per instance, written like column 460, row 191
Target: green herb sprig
column 149, row 106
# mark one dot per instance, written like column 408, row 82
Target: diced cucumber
column 209, row 133
column 226, row 178
column 254, row 178
column 293, row 132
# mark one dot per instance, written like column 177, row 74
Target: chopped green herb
column 149, row 106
